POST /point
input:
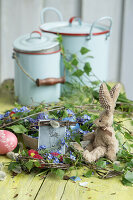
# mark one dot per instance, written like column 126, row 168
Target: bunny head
column 107, row 100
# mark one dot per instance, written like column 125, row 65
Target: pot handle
column 74, row 19
column 38, row 32
column 39, row 82
column 97, row 21
column 50, row 81
column 52, row 9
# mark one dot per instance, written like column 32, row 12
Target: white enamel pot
column 77, row 34
column 37, row 68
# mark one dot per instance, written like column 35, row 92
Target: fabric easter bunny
column 103, row 141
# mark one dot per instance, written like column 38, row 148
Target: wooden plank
column 21, row 187
column 52, row 188
column 108, row 189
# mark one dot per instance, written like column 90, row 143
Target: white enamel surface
column 38, row 66
column 75, row 27
column 33, row 43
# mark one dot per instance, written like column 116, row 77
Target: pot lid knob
column 38, row 32
column 75, row 19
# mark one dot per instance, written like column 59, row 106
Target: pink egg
column 8, row 141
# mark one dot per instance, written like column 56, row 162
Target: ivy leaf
column 78, row 73
column 74, row 62
column 84, row 50
column 74, row 55
column 129, row 176
column 18, row 128
column 68, row 65
column 29, row 165
column 87, row 68
column 59, row 39
column 88, row 174
column 101, row 163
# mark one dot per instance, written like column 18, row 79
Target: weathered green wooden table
column 32, row 187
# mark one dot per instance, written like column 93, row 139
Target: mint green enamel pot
column 37, row 68
column 77, row 34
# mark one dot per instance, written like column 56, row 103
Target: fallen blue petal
column 75, row 178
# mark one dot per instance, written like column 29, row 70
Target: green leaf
column 60, row 173
column 117, row 167
column 84, row 50
column 29, row 165
column 120, row 137
column 24, row 152
column 67, row 160
column 59, row 38
column 78, row 73
column 65, row 114
column 95, row 82
column 131, row 122
column 72, row 168
column 74, row 62
column 128, row 136
column 37, row 163
column 127, row 146
column 18, row 128
column 18, row 114
column 125, row 182
column 12, row 166
column 87, row 68
column 91, row 56
column 74, row 55
column 101, row 163
column 68, row 65
column 124, row 155
column 129, row 176
column 130, row 164
column 77, row 139
column 88, row 174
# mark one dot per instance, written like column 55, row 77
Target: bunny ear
column 104, row 97
column 114, row 92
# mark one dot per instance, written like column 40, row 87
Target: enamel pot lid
column 75, row 27
column 36, row 43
